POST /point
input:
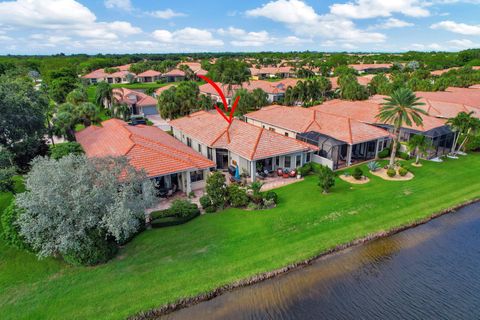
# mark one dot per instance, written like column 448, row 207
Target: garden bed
column 382, row 173
column 352, row 180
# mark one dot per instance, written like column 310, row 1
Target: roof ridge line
column 256, row 143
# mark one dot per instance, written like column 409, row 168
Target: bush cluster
column 384, row 153
column 403, row 171
column 391, row 172
column 357, row 173
column 10, row 228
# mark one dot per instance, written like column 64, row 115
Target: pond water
column 428, row 272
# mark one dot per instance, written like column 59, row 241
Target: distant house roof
column 147, row 147
column 367, row 111
column 164, row 88
column 246, row 140
column 302, row 120
column 128, row 96
column 363, row 80
column 175, row 73
column 119, row 74
column 149, row 73
column 270, row 70
column 124, row 67
column 367, row 66
column 271, row 87
column 96, row 74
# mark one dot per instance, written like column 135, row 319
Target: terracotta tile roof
column 270, row 70
column 366, row 111
column 164, row 88
column 96, row 74
column 302, row 120
column 175, row 73
column 149, row 73
column 271, row 87
column 248, row 141
column 119, row 74
column 128, row 96
column 146, row 147
column 124, row 67
column 361, row 67
column 466, row 96
column 363, row 80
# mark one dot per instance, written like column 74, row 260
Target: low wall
column 323, row 161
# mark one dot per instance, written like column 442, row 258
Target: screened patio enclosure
column 340, row 152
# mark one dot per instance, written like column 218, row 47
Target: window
column 288, row 161
column 277, row 161
column 271, row 129
column 308, row 157
column 189, row 142
column 298, row 160
column 196, row 176
column 199, row 148
column 209, row 153
column 286, row 134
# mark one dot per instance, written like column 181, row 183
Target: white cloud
column 242, row 38
column 64, row 17
column 462, row 43
column 187, row 36
column 392, row 23
column 461, row 28
column 119, row 4
column 303, row 20
column 365, row 9
column 293, row 41
column 166, row 14
column 427, row 47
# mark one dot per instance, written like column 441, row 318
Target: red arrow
column 229, row 119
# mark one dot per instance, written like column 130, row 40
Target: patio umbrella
column 237, row 172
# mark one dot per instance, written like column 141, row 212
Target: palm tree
column 462, row 125
column 473, row 126
column 420, row 145
column 399, row 109
column 104, row 95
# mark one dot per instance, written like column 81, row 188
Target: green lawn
column 162, row 265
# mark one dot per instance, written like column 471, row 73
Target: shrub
column 271, row 195
column 10, row 228
column 97, row 250
column 252, row 206
column 191, row 194
column 268, row 203
column 6, row 179
column 160, row 214
column 357, row 173
column 205, row 201
column 384, row 153
column 404, row 155
column 183, row 209
column 373, row 166
column 403, row 171
column 326, row 178
column 391, row 173
column 237, row 197
column 255, row 187
column 306, row 169
column 61, row 150
column 217, row 190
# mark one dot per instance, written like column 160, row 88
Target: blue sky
column 139, row 26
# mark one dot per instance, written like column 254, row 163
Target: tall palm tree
column 420, row 145
column 462, row 125
column 399, row 109
column 104, row 95
column 473, row 127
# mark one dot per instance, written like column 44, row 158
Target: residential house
column 366, row 111
column 123, row 76
column 196, row 68
column 96, row 76
column 371, row 67
column 139, row 102
column 272, row 72
column 159, row 91
column 149, row 76
column 241, row 144
column 467, row 96
column 168, row 162
column 341, row 140
column 174, row 75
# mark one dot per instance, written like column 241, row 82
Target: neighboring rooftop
column 146, row 147
column 466, row 96
column 248, row 141
column 270, row 70
column 366, row 66
column 270, row 87
column 129, row 96
column 301, row 120
column 149, row 73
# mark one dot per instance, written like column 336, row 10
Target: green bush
column 306, row 169
column 100, row 250
column 384, row 153
column 61, row 150
column 403, row 171
column 160, row 214
column 271, row 195
column 357, row 173
column 7, row 184
column 10, row 229
column 183, row 209
column 373, row 166
column 326, row 178
column 237, row 197
column 391, row 173
column 217, row 190
column 404, row 155
column 205, row 201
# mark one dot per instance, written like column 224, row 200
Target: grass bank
column 162, row 265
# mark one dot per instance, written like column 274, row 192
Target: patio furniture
column 259, row 176
column 279, row 172
column 170, row 193
column 285, row 175
column 162, row 192
column 293, row 173
column 235, row 180
column 231, row 170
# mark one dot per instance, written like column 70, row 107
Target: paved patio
column 159, row 122
column 164, row 203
